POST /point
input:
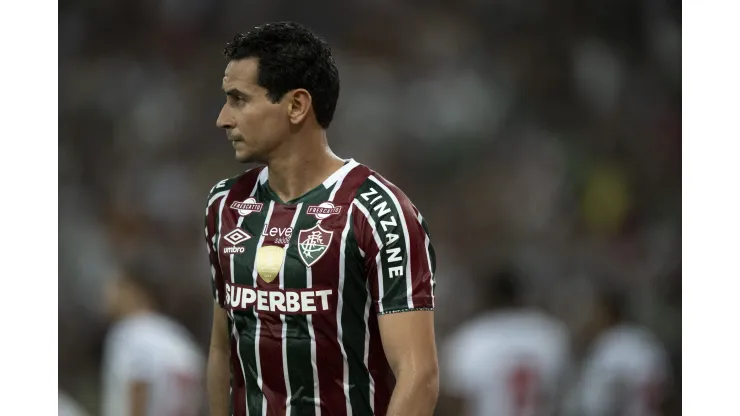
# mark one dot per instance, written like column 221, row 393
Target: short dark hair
column 290, row 56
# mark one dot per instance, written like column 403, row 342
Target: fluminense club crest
column 313, row 243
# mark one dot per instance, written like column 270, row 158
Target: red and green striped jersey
column 303, row 283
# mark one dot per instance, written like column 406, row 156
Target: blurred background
column 541, row 134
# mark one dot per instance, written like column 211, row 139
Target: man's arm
column 218, row 371
column 399, row 263
column 408, row 342
column 218, row 364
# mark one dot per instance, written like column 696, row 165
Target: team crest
column 313, row 244
column 247, row 207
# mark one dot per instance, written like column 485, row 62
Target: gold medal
column 269, row 261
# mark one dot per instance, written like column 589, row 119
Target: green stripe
column 229, row 326
column 298, row 338
column 355, row 297
column 432, row 254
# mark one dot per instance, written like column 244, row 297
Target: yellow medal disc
column 269, row 261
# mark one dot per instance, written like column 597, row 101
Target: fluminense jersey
column 508, row 363
column 303, row 283
column 155, row 350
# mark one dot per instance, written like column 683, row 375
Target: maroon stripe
column 379, row 369
column 421, row 276
column 238, row 389
column 271, row 327
column 377, row 363
column 352, row 181
column 366, row 242
column 239, row 190
column 213, row 255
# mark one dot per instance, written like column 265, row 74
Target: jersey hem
column 405, row 310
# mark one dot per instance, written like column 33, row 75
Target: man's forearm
column 218, row 382
column 415, row 394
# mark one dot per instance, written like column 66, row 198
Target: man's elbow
column 423, row 379
column 431, row 384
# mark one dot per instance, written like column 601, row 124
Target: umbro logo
column 235, row 238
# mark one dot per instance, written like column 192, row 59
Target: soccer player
column 151, row 365
column 322, row 269
column 626, row 371
column 509, row 361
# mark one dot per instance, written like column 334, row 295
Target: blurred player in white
column 509, row 361
column 625, row 372
column 151, row 365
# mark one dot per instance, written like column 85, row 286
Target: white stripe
column 312, row 334
column 215, row 197
column 215, row 236
column 429, row 256
column 404, row 226
column 366, row 355
column 340, row 305
column 254, row 310
column 339, row 176
column 262, row 178
column 379, row 242
column 233, row 326
column 282, row 319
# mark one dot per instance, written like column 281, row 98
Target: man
column 151, row 365
column 510, row 361
column 626, row 370
column 322, row 270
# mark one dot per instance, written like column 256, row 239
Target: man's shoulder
column 380, row 184
column 223, row 186
column 376, row 190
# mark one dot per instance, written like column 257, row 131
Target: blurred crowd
column 541, row 134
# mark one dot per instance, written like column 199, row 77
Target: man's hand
column 409, row 345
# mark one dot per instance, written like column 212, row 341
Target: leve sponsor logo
column 281, row 234
column 288, row 302
column 235, row 238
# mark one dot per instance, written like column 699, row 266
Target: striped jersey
column 303, row 283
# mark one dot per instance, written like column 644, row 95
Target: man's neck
column 302, row 167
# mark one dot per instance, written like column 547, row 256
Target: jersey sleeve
column 394, row 242
column 213, row 209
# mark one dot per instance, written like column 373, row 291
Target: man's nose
column 224, row 120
